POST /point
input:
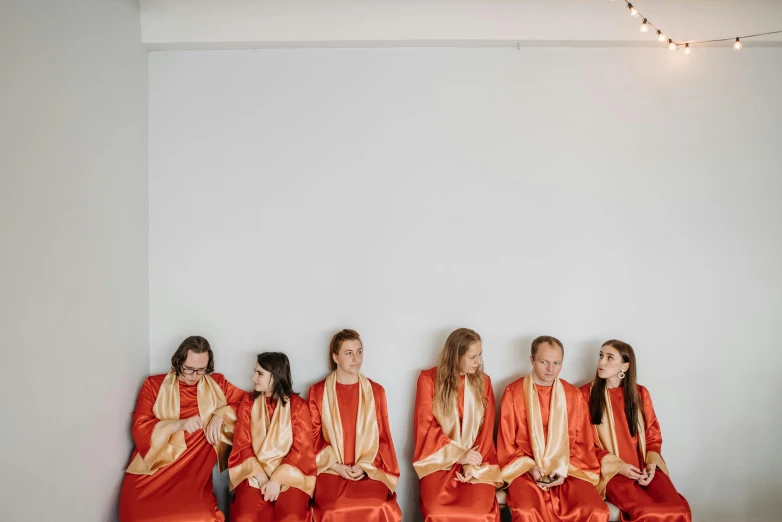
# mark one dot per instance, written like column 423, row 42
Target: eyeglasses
column 190, row 371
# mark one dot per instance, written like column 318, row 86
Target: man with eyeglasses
column 183, row 423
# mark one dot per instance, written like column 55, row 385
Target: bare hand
column 213, row 430
column 647, row 478
column 346, row 472
column 471, row 457
column 631, row 472
column 271, row 490
column 560, row 480
column 463, row 477
column 536, row 473
column 355, row 472
column 191, row 425
column 262, row 479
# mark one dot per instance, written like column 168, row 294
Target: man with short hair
column 545, row 445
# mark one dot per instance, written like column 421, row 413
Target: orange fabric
column 443, row 498
column 248, row 503
column 657, row 502
column 347, row 398
column 340, row 500
column 576, row 499
column 181, row 491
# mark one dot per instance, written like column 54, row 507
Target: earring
column 621, row 375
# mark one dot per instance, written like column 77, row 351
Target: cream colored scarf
column 463, row 435
column 367, row 432
column 272, row 440
column 552, row 453
column 166, row 446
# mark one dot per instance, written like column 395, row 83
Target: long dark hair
column 597, row 400
column 278, row 365
column 195, row 344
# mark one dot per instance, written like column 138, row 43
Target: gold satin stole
column 606, row 437
column 367, row 432
column 463, row 436
column 272, row 440
column 552, row 453
column 166, row 446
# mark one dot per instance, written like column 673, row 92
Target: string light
column 674, row 45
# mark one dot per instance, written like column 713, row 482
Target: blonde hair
column 446, row 382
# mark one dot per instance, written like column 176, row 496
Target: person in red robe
column 182, row 425
column 354, row 453
column 546, row 447
column 455, row 458
column 634, row 476
column 272, row 464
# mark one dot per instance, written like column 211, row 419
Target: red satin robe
column 442, row 497
column 292, row 505
column 181, row 491
column 574, row 501
column 340, row 500
column 657, row 502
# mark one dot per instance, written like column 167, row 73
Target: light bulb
column 738, row 45
column 633, row 10
column 661, row 36
column 644, row 27
column 687, row 49
column 671, row 45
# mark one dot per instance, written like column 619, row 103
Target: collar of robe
column 606, row 438
column 367, row 432
column 550, row 451
column 463, row 436
column 272, row 439
column 166, row 447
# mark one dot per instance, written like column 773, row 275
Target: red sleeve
column 654, row 438
column 233, row 395
column 582, row 450
column 429, row 436
column 513, row 441
column 386, row 454
column 144, row 421
column 243, row 444
column 315, row 399
column 301, row 455
column 485, row 439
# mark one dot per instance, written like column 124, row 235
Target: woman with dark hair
column 183, row 422
column 355, row 457
column 455, row 457
column 272, row 465
column 633, row 474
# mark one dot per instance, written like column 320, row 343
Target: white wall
column 586, row 194
column 74, row 313
column 199, row 24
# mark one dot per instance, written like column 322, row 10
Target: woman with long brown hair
column 272, row 464
column 455, row 457
column 633, row 474
column 355, row 457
